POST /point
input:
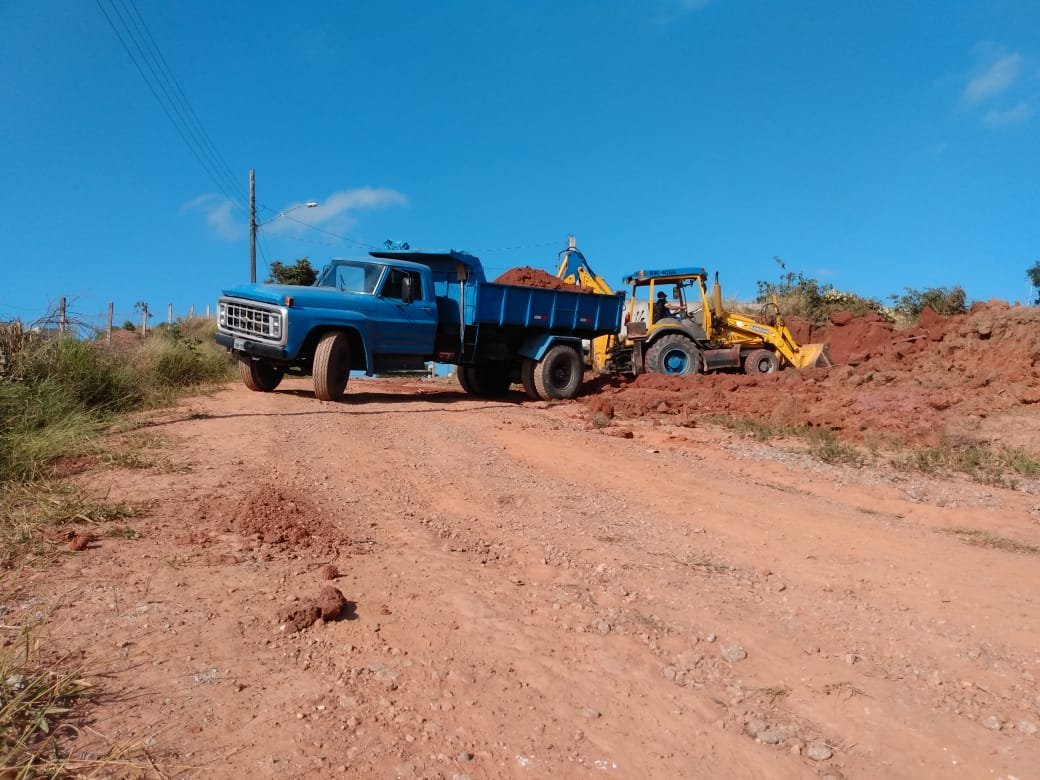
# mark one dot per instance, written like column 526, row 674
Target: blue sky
column 875, row 146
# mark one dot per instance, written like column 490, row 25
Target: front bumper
column 255, row 348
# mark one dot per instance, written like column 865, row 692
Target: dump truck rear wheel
column 558, row 375
column 488, row 381
column 331, row 366
column 761, row 361
column 260, row 376
column 674, row 355
column 462, row 374
column 527, row 369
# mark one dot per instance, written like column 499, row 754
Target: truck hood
column 313, row 297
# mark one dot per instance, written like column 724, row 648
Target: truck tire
column 331, row 366
column 674, row 355
column 559, row 373
column 260, row 376
column 761, row 361
column 527, row 369
column 462, row 374
column 488, row 381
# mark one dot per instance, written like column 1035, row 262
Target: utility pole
column 63, row 321
column 169, row 313
column 252, row 225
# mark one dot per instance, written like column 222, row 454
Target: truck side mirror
column 407, row 293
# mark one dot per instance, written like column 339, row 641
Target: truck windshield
column 351, row 276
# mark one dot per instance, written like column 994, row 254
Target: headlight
column 221, row 314
column 276, row 327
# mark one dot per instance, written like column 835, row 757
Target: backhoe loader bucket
column 812, row 356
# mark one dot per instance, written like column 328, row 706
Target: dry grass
column 28, row 510
column 982, row 538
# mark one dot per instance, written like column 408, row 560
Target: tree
column 301, row 272
column 1033, row 272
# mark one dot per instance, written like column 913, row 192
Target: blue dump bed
column 560, row 312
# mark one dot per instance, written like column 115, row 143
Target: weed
column 981, row 462
column 704, row 564
column 826, row 446
column 37, row 696
column 982, row 538
column 755, row 429
column 124, row 532
column 27, row 509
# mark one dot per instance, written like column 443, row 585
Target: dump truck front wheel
column 761, row 361
column 331, row 366
column 674, row 355
column 558, row 375
column 260, row 376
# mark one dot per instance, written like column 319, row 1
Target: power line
column 330, row 233
column 183, row 128
column 222, row 166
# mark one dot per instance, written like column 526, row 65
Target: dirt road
column 533, row 597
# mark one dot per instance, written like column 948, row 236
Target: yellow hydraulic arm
column 574, row 269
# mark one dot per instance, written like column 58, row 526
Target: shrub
column 801, row 296
column 942, row 300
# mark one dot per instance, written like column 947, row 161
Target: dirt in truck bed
column 525, row 276
column 418, row 583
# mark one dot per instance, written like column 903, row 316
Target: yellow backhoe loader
column 674, row 326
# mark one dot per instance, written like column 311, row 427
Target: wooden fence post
column 62, row 317
column 111, row 315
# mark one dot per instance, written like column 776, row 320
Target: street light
column 253, row 224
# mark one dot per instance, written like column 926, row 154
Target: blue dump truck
column 401, row 309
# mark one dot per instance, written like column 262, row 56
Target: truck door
column 407, row 317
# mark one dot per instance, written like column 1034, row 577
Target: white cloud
column 676, row 9
column 1016, row 115
column 218, row 211
column 334, row 214
column 997, row 77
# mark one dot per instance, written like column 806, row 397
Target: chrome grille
column 250, row 319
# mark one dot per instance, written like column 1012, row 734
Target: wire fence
column 63, row 318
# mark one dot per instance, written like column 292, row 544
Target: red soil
column 969, row 376
column 526, row 276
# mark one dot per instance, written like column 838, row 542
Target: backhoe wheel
column 674, row 355
column 761, row 361
column 331, row 366
column 527, row 369
column 558, row 374
column 488, row 380
column 261, row 376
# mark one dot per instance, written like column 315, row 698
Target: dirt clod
column 331, row 602
column 81, row 541
column 329, row 572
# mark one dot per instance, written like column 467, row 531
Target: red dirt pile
column 971, row 376
column 526, row 276
column 278, row 516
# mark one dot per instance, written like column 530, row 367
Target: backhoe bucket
column 813, row 356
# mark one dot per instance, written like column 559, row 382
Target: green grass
column 825, row 445
column 981, row 462
column 982, row 538
column 63, row 394
column 747, row 426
